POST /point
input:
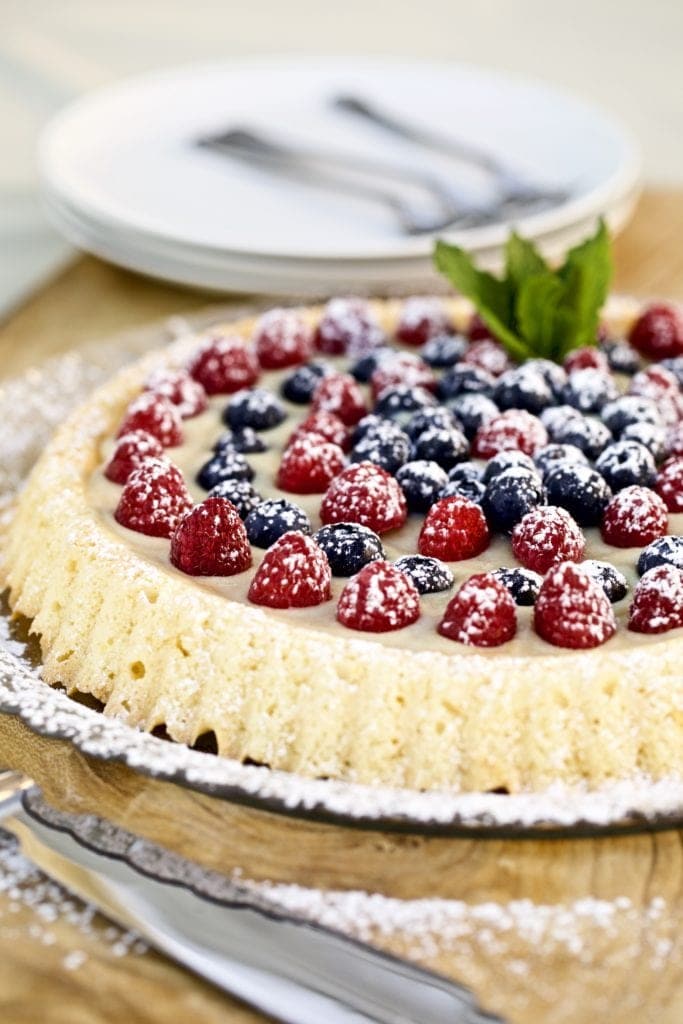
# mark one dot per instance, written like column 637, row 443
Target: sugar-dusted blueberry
column 257, row 408
column 621, row 357
column 650, row 435
column 368, row 425
column 424, row 419
column 556, row 417
column 364, row 367
column 401, row 402
column 387, row 446
column 510, row 495
column 586, row 433
column 349, row 546
column 523, row 387
column 226, row 464
column 522, row 584
column 628, row 409
column 246, row 441
column 472, row 411
column 273, row 517
column 589, row 390
column 444, row 350
column 675, row 366
column 473, row 490
column 465, row 471
column 445, row 446
column 422, row 483
column 463, row 379
column 626, row 463
column 240, row 492
column 580, row 489
column 430, row 575
column 298, row 386
column 663, row 551
column 612, row 581
column 553, row 374
column 507, row 460
column 548, row 457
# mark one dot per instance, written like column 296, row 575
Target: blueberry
column 444, row 350
column 627, row 463
column 507, row 460
column 608, row 577
column 240, row 492
column 585, row 433
column 429, row 575
column 622, row 358
column 628, row 409
column 523, row 584
column 388, row 448
column 472, row 411
column 588, row 390
column 580, row 489
column 257, row 408
column 444, row 446
column 245, row 441
column 422, row 483
column 649, row 435
column 398, row 403
column 546, row 458
column 299, row 386
column 473, row 490
column 423, row 419
column 465, row 471
column 552, row 373
column 556, row 417
column 364, row 367
column 523, row 387
column 349, row 546
column 663, row 551
column 226, row 464
column 510, row 495
column 367, row 425
column 272, row 518
column 463, row 379
column 675, row 365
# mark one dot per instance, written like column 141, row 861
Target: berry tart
column 394, row 542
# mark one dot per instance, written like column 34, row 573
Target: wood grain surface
column 544, row 931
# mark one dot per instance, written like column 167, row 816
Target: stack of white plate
column 125, row 179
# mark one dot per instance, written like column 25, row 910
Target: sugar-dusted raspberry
column 187, row 394
column 654, row 382
column 547, row 536
column 658, row 332
column 282, row 338
column 454, row 529
column 156, row 416
column 327, row 425
column 481, row 614
column 223, row 365
column 378, row 599
column 634, row 517
column 153, row 499
column 340, row 394
column 294, row 573
column 489, row 355
column 586, row 358
column 669, row 484
column 131, row 451
column 514, row 429
column 309, row 464
column 211, row 540
column 422, row 318
column 572, row 610
column 658, row 601
column 402, row 369
column 348, row 327
column 478, row 328
column 365, row 494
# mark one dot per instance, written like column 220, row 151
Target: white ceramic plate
column 122, row 172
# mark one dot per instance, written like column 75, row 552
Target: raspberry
column 514, row 429
column 402, row 369
column 348, row 327
column 634, row 518
column 572, row 610
column 131, row 451
column 294, row 573
column 188, row 395
column 658, row 332
column 654, row 382
column 545, row 537
column 481, row 614
column 211, row 540
column 478, row 329
column 309, row 464
column 669, row 484
column 378, row 599
column 156, row 416
column 422, row 318
column 489, row 355
column 586, row 358
column 454, row 529
column 153, row 499
column 282, row 338
column 365, row 494
column 327, row 425
column 657, row 601
column 223, row 365
column 340, row 394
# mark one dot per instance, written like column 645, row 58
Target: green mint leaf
column 536, row 306
column 522, row 260
column 586, row 274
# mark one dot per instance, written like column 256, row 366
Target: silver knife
column 296, row 971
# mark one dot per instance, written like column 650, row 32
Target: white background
column 627, row 56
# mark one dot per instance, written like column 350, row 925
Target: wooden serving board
column 554, row 930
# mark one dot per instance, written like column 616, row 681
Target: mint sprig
column 534, row 310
